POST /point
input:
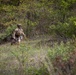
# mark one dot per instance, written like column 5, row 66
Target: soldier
column 18, row 35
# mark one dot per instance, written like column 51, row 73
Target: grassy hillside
column 34, row 58
column 50, row 26
column 22, row 60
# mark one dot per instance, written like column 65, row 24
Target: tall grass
column 63, row 58
column 29, row 60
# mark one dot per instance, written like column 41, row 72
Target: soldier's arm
column 24, row 35
column 26, row 38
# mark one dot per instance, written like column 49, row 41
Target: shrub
column 63, row 59
column 61, row 50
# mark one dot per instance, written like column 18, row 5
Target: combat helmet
column 19, row 25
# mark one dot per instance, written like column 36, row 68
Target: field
column 32, row 57
column 22, row 59
column 50, row 28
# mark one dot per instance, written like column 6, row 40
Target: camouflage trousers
column 17, row 40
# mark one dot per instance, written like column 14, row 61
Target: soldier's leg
column 19, row 40
column 13, row 41
column 21, row 37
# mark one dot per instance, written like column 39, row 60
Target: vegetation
column 40, row 17
column 50, row 26
column 29, row 59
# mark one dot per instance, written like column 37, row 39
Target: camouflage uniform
column 18, row 34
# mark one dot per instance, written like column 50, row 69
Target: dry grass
column 21, row 58
column 30, row 58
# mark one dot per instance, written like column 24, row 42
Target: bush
column 61, row 50
column 7, row 35
column 10, row 29
column 63, row 59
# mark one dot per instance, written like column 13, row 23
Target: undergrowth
column 29, row 60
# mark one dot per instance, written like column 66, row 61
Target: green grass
column 22, row 58
column 29, row 58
